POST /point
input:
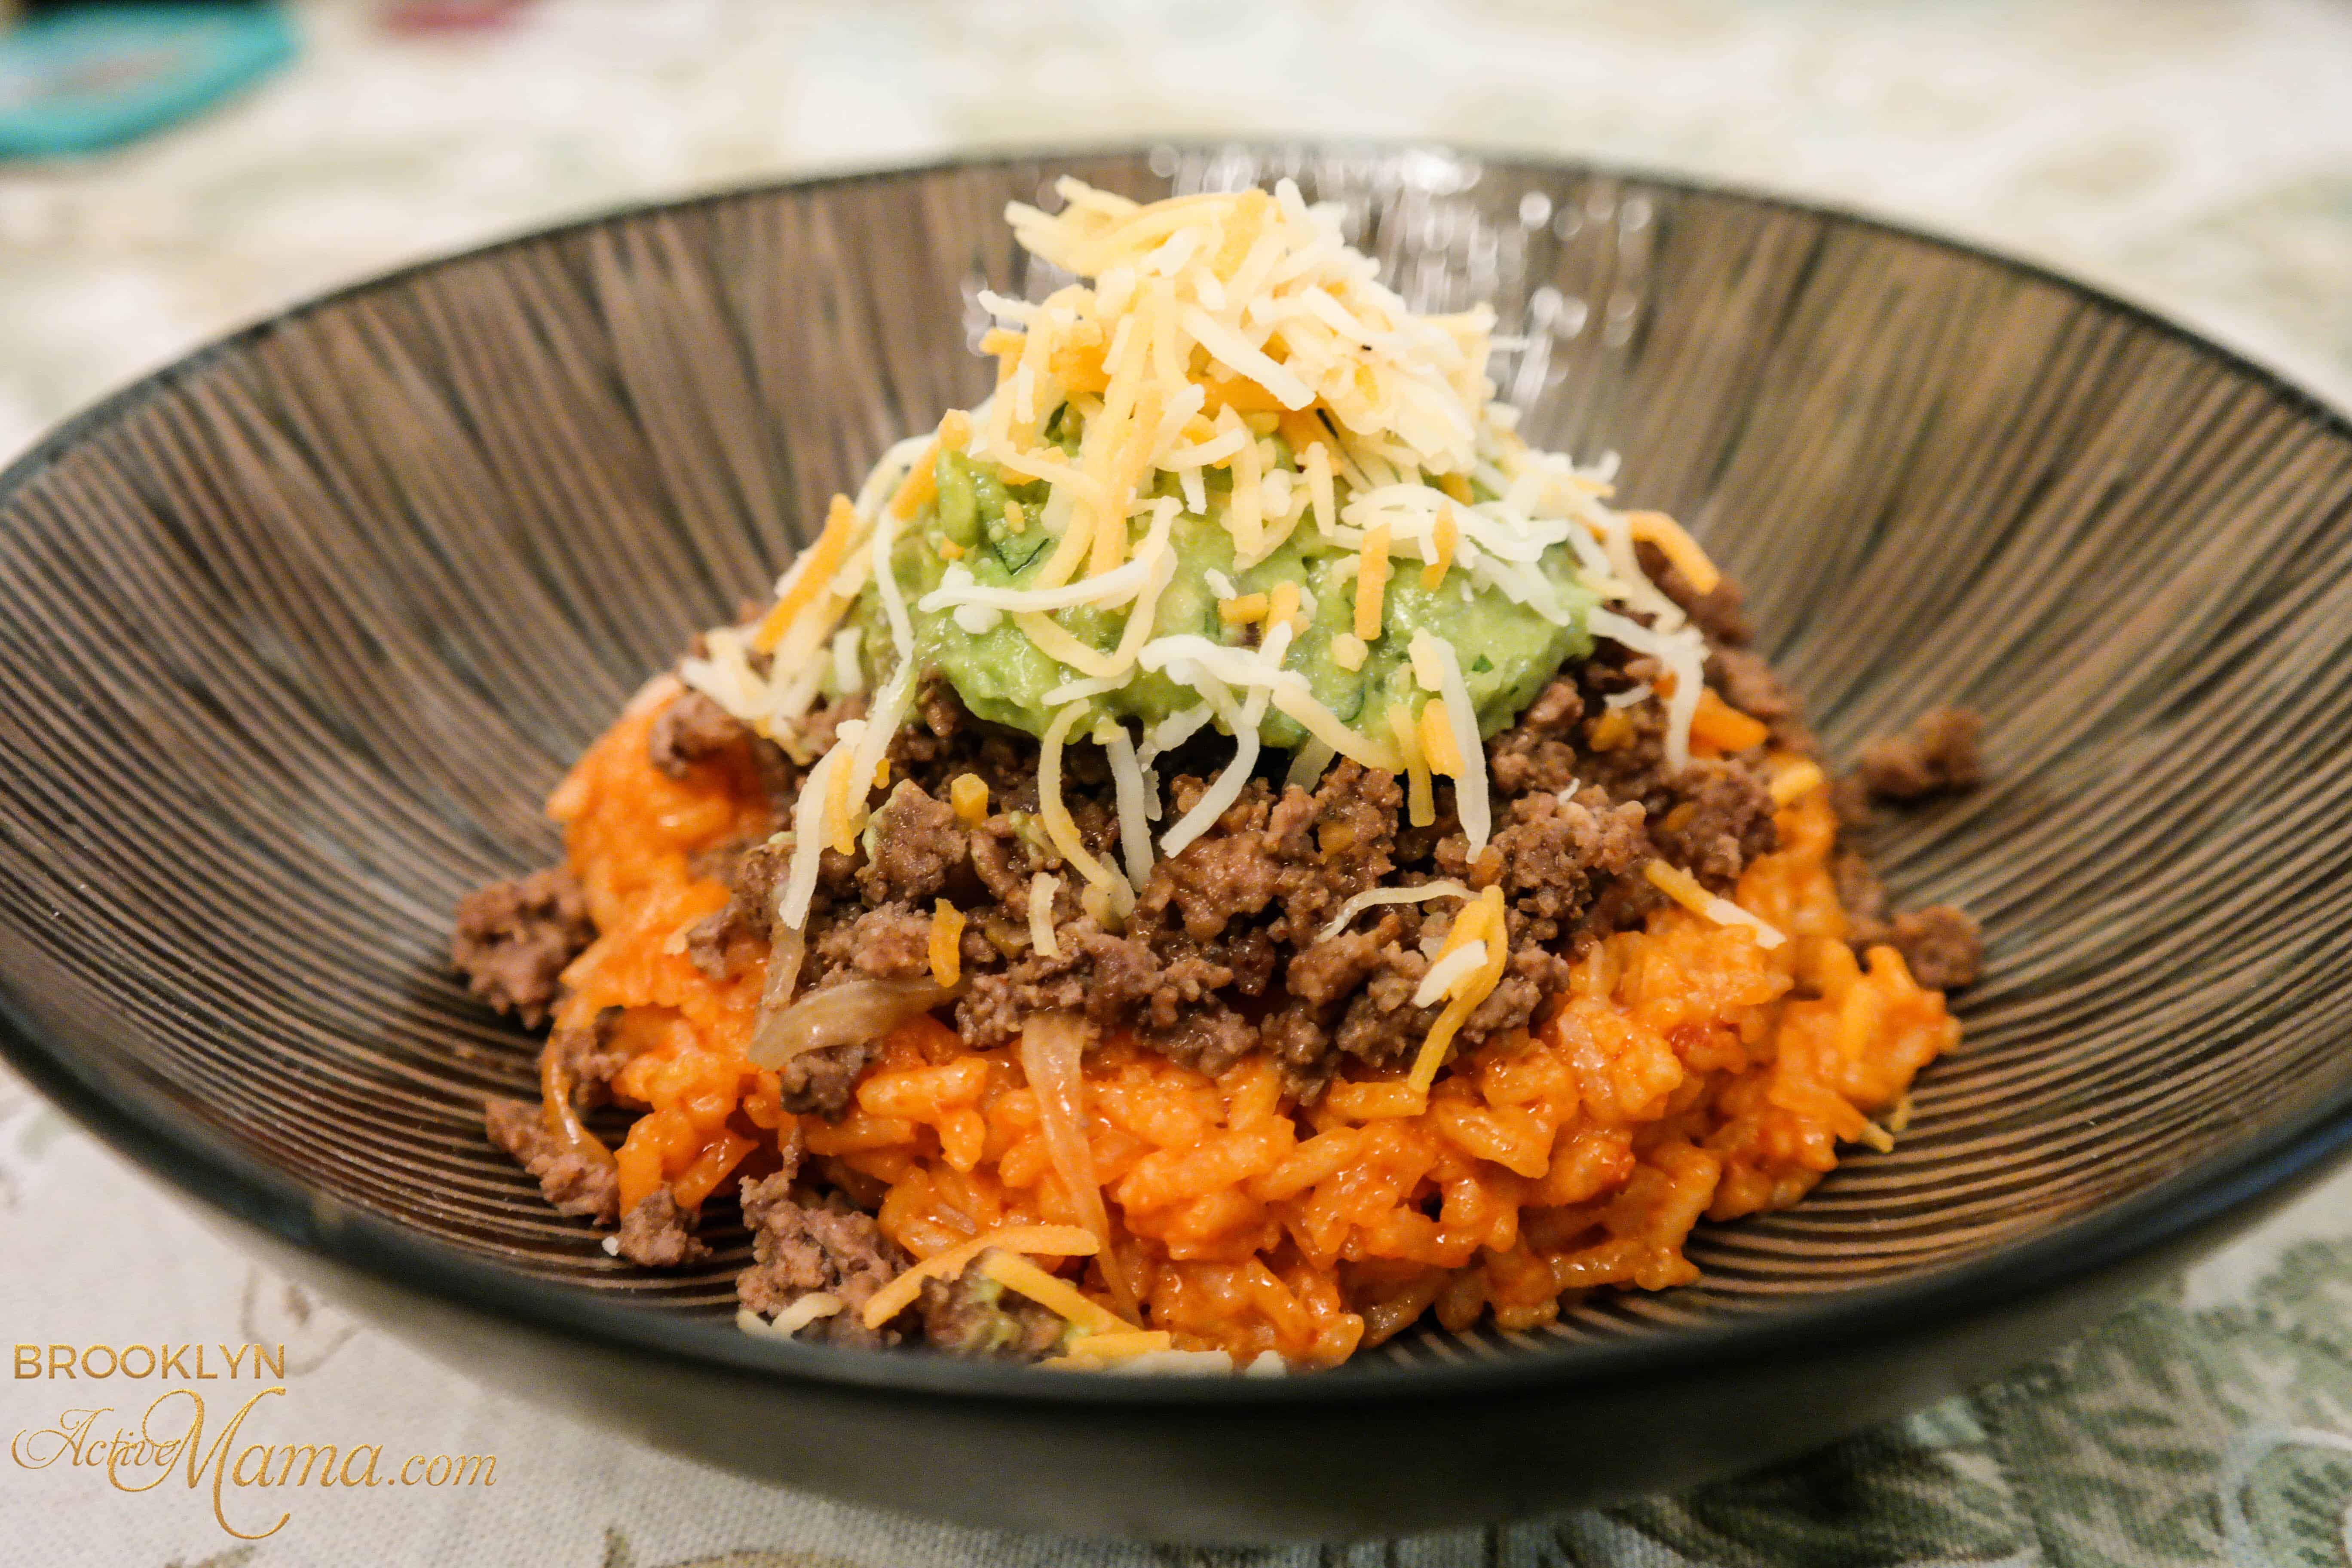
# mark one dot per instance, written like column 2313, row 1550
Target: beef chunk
column 893, row 942
column 916, row 842
column 996, row 1005
column 721, row 945
column 1129, row 974
column 1004, row 860
column 1940, row 944
column 657, row 1234
column 1209, row 1038
column 942, row 710
column 1937, row 754
column 1381, row 1026
column 1167, row 989
column 822, row 1083
column 1509, row 1006
column 942, row 732
column 800, row 1246
column 1554, row 853
column 1308, row 852
column 588, row 1060
column 693, row 728
column 1329, row 971
column 1300, row 1040
column 571, row 1183
column 1851, row 801
column 1722, row 820
column 1226, row 874
column 1331, row 845
column 513, row 940
column 972, row 1315
column 1538, row 751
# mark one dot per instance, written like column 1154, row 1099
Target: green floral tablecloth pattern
column 2197, row 154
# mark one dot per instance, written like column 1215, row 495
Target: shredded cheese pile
column 1201, row 328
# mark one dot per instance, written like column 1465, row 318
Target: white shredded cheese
column 1238, row 354
column 1472, row 799
column 1160, row 1364
column 1018, row 312
column 1683, row 653
column 1196, row 491
column 805, row 1311
column 1724, row 913
column 1108, row 591
column 1188, row 657
column 1307, row 767
column 1632, row 696
column 1043, row 887
column 727, row 676
column 1449, row 972
column 1427, row 670
column 1174, row 731
column 1226, row 789
column 1372, row 896
column 847, row 675
column 808, row 835
column 1201, row 454
column 1134, row 815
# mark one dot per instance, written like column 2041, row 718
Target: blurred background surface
column 2197, row 152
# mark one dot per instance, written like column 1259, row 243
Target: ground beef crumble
column 572, row 1183
column 1221, row 955
column 513, row 939
column 1940, row 944
column 1936, row 755
column 803, row 1244
column 587, row 1060
column 972, row 1315
column 657, row 1234
column 1225, row 952
column 821, row 1082
column 693, row 728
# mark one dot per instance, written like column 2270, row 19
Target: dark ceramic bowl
column 300, row 631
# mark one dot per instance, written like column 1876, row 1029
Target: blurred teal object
column 93, row 76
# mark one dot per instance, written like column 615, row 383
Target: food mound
column 1219, row 852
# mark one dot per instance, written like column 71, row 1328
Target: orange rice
column 1688, row 1072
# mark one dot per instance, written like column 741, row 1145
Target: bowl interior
column 302, row 630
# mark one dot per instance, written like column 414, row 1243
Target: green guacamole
column 1507, row 650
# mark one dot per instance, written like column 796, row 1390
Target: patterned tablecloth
column 2196, row 154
